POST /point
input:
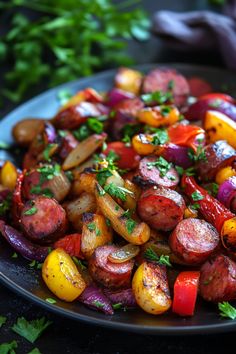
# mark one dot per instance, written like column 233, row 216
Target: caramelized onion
column 124, row 254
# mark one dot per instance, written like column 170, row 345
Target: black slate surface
column 67, row 336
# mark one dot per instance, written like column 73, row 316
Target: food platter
column 25, row 280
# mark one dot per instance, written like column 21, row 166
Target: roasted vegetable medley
column 127, row 198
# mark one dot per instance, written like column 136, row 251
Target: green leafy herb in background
column 30, row 330
column 65, row 39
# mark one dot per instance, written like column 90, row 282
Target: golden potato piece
column 151, row 289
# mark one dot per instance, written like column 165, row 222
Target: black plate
column 16, row 273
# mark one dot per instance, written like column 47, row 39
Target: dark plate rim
column 225, row 325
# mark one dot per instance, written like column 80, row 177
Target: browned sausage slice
column 73, row 116
column 43, row 220
column 161, row 208
column 218, row 279
column 218, row 155
column 108, row 274
column 149, row 174
column 163, row 79
column 194, row 240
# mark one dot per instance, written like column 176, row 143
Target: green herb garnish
column 3, row 320
column 227, row 310
column 161, row 164
column 51, row 300
column 150, row 255
column 188, row 171
column 31, row 211
column 159, row 97
column 30, row 330
column 197, row 196
column 8, row 348
column 116, row 191
column 165, row 110
column 63, row 96
column 130, row 225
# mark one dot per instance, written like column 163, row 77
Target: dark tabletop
column 67, row 336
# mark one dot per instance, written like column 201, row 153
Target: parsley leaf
column 197, row 196
column 117, row 191
column 117, row 306
column 47, row 151
column 130, row 225
column 34, row 351
column 8, row 348
column 199, row 155
column 159, row 137
column 31, row 211
column 98, row 303
column 95, row 125
column 30, row 330
column 150, row 255
column 51, row 300
column 188, row 171
column 2, row 320
column 227, row 310
column 165, row 110
column 159, row 97
column 161, row 164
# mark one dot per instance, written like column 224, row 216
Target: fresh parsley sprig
column 30, row 330
column 227, row 310
column 150, row 255
column 161, row 164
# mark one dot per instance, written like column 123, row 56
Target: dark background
column 67, row 336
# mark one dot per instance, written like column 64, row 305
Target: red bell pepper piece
column 185, row 135
column 212, row 210
column 185, row 293
column 128, row 157
column 70, row 244
column 217, row 96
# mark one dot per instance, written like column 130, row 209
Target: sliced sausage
column 111, row 275
column 149, row 174
column 161, row 208
column 73, row 116
column 218, row 155
column 218, row 279
column 160, row 80
column 194, row 240
column 43, row 220
column 125, row 113
column 198, row 86
column 68, row 143
column 58, row 186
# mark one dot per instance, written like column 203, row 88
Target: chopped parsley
column 188, row 171
column 160, row 137
column 31, row 211
column 117, row 306
column 117, row 191
column 47, row 151
column 98, row 304
column 5, row 205
column 15, row 255
column 212, row 188
column 159, row 97
column 127, row 213
column 200, row 154
column 51, row 300
column 150, row 255
column 93, row 227
column 165, row 110
column 130, row 225
column 34, row 351
column 197, row 196
column 227, row 310
column 194, row 206
column 171, row 85
column 161, row 164
column 92, row 125
column 35, row 264
column 62, row 133
column 69, row 175
column 8, row 348
column 108, row 223
column 30, row 330
column 3, row 320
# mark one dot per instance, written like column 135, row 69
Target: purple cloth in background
column 200, row 30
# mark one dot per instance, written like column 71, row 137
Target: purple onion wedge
column 94, row 298
column 227, row 191
column 124, row 297
column 21, row 245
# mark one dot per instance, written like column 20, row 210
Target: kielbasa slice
column 149, row 174
column 108, row 274
column 58, row 186
column 43, row 220
column 161, row 208
column 218, row 279
column 73, row 116
column 194, row 240
column 218, row 155
column 166, row 79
